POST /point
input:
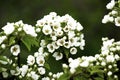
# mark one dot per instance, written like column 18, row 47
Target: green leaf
column 65, row 76
column 47, row 66
column 3, row 58
column 29, row 41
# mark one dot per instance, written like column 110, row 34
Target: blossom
column 40, row 60
column 41, row 70
column 45, row 78
column 79, row 27
column 74, row 63
column 117, row 21
column 107, row 18
column 2, row 38
column 5, row 74
column 111, row 4
column 58, row 55
column 50, row 48
column 34, row 76
column 84, row 64
column 30, row 60
column 47, row 29
column 15, row 50
column 29, row 30
column 110, row 58
column 24, row 70
column 109, row 73
column 73, row 50
column 9, row 28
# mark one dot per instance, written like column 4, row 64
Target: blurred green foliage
column 88, row 12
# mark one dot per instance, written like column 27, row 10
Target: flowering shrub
column 32, row 52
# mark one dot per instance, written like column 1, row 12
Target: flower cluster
column 104, row 63
column 53, row 36
column 113, row 16
column 60, row 35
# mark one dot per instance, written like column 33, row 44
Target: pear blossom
column 40, row 60
column 15, row 50
column 117, row 21
column 30, row 60
column 58, row 55
column 47, row 30
column 34, row 76
column 111, row 4
column 24, row 70
column 41, row 70
column 45, row 78
column 9, row 28
column 2, row 38
column 29, row 30
column 73, row 50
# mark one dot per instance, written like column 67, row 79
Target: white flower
column 84, row 64
column 114, row 12
column 117, row 21
column 47, row 29
column 64, row 65
column 67, row 45
column 71, row 34
column 15, row 50
column 46, row 78
column 43, row 43
column 34, row 76
column 41, row 50
column 24, row 70
column 59, row 33
column 41, row 70
column 66, row 29
column 74, row 63
column 110, row 66
column 30, row 60
column 58, row 55
column 5, row 74
column 73, row 50
column 29, row 30
column 56, row 27
column 19, row 23
column 117, row 57
column 50, row 48
column 60, row 42
column 110, row 58
column 103, row 63
column 79, row 27
column 2, row 38
column 38, row 30
column 3, row 46
column 9, row 28
column 109, row 73
column 40, row 60
column 111, row 4
column 107, row 18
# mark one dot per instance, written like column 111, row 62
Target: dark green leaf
column 29, row 41
column 47, row 66
column 65, row 76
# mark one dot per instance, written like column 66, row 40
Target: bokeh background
column 88, row 12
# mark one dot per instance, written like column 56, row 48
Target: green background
column 88, row 12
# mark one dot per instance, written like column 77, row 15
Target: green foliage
column 29, row 41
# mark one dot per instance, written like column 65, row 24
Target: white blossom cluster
column 113, row 16
column 18, row 29
column 60, row 33
column 107, row 59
